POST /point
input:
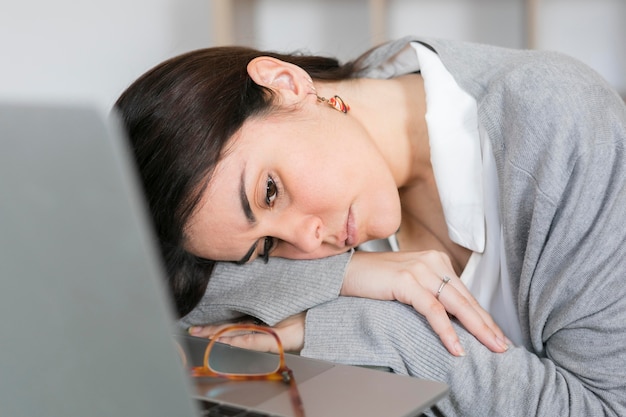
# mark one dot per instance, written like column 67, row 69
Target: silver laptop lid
column 81, row 311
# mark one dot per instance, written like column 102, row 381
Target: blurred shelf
column 224, row 11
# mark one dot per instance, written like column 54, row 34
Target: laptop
column 86, row 326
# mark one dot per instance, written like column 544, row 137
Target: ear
column 289, row 81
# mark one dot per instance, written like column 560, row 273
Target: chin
column 383, row 221
column 387, row 227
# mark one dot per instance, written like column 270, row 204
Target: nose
column 302, row 231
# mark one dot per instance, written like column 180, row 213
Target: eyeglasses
column 274, row 369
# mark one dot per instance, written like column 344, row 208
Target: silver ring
column 444, row 281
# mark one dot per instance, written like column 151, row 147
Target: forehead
column 213, row 229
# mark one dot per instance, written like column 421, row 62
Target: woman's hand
column 414, row 278
column 290, row 331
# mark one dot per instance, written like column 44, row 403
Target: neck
column 392, row 112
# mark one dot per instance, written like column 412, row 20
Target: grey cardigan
column 559, row 134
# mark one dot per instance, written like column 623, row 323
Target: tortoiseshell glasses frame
column 281, row 373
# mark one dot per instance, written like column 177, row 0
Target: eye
column 271, row 191
column 268, row 245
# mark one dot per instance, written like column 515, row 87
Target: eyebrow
column 245, row 205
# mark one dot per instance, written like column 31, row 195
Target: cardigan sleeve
column 269, row 292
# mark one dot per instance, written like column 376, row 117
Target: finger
column 425, row 303
column 255, row 341
column 202, row 331
column 436, row 312
column 465, row 307
column 486, row 317
column 439, row 320
column 467, row 304
column 489, row 320
column 469, row 314
column 473, row 303
column 210, row 329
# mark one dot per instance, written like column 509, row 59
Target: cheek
column 325, row 188
column 315, row 182
column 314, row 195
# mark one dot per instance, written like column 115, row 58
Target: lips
column 351, row 231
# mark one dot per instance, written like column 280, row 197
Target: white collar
column 452, row 121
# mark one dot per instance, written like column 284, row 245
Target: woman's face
column 298, row 187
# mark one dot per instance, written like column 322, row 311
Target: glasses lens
column 234, row 361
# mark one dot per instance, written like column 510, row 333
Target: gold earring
column 336, row 103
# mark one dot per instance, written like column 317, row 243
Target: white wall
column 593, row 31
column 90, row 50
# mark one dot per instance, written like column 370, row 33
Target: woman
column 504, row 168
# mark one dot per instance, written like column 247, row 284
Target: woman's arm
column 413, row 278
column 269, row 292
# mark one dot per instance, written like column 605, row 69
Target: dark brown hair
column 179, row 117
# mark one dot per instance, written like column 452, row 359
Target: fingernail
column 192, row 330
column 459, row 349
column 502, row 344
